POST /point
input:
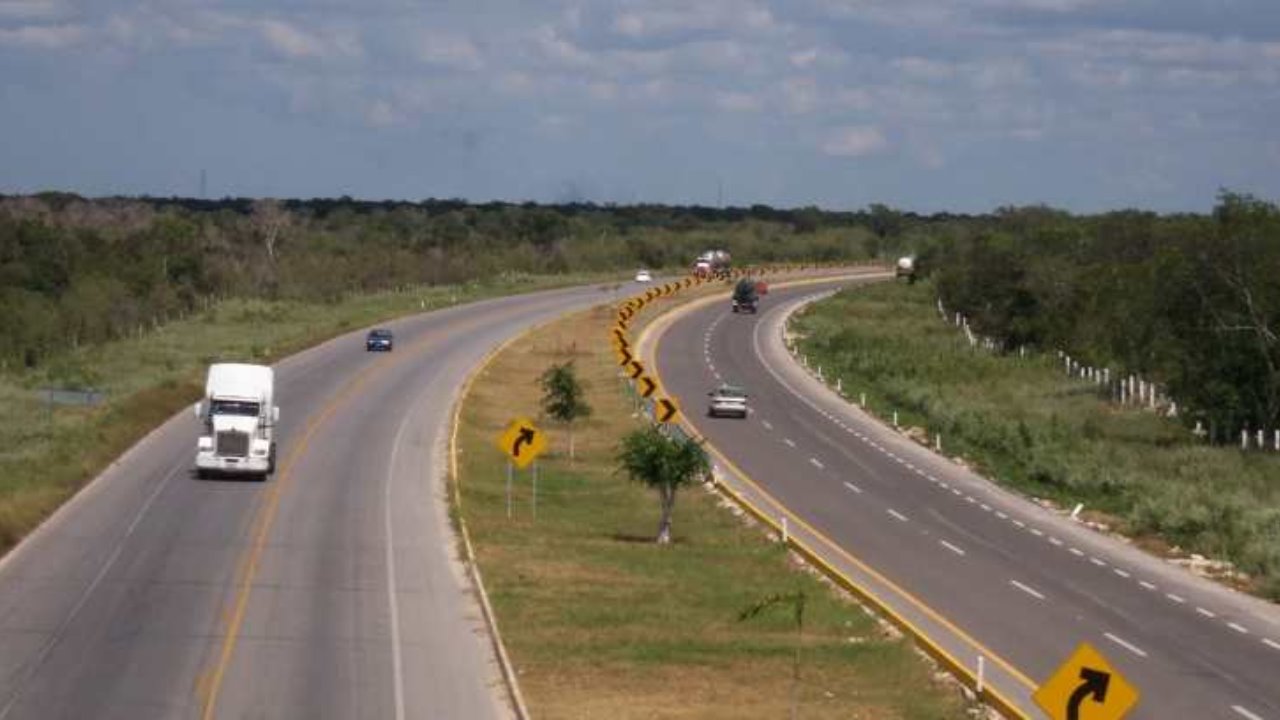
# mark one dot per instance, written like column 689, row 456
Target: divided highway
column 330, row 591
column 981, row 570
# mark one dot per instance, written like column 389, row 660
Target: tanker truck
column 712, row 263
column 239, row 421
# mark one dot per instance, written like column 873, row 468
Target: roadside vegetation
column 1024, row 423
column 602, row 621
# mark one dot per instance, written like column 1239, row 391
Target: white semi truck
column 239, row 421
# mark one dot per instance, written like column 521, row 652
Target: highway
column 980, row 570
column 333, row 590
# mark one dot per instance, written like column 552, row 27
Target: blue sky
column 963, row 105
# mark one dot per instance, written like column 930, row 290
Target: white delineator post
column 982, row 674
column 786, row 537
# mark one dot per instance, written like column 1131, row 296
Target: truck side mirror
column 197, row 408
column 275, row 413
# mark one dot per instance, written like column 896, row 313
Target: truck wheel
column 271, row 460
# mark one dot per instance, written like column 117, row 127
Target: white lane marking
column 789, row 442
column 1175, row 598
column 816, row 463
column 1126, row 645
column 909, row 466
column 1096, row 561
column 1019, row 523
column 1037, row 532
column 1271, row 643
column 969, row 499
column 1077, row 552
column 1055, row 541
column 951, row 547
column 897, row 514
column 1121, row 573
column 61, row 630
column 1027, row 589
column 1246, row 713
column 393, row 600
column 932, row 478
column 853, row 487
column 767, row 425
column 1146, row 585
column 1206, row 613
column 986, row 507
column 1001, row 515
column 956, row 492
column 1238, row 628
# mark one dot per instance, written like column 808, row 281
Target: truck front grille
column 231, row 444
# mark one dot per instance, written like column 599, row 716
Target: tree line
column 1191, row 301
column 76, row 271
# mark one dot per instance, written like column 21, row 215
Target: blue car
column 379, row 340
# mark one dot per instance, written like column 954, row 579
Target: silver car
column 727, row 401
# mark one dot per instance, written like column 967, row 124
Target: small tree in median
column 562, row 397
column 664, row 464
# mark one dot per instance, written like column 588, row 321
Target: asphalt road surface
column 330, row 591
column 983, row 571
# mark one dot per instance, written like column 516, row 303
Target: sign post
column 522, row 442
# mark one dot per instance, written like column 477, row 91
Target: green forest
column 76, row 271
column 1189, row 301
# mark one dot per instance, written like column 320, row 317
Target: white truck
column 239, row 418
column 906, row 268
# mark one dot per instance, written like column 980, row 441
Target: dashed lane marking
column 1126, row 645
column 1027, row 589
column 951, row 547
column 897, row 514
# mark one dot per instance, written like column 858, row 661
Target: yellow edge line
column 210, row 684
column 1006, row 706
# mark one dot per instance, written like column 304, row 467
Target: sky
column 923, row 105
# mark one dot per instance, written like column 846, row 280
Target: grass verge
column 48, row 453
column 1021, row 422
column 601, row 622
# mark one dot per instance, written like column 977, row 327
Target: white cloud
column 855, row 141
column 43, row 37
column 293, row 42
column 449, row 50
column 738, row 101
column 670, row 17
column 32, row 9
column 382, row 114
column 289, row 40
column 921, row 68
column 800, row 95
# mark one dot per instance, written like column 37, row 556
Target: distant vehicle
column 727, row 401
column 644, row 276
column 379, row 340
column 906, row 268
column 746, row 296
column 239, row 421
column 712, row 263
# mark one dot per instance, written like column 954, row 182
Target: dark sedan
column 379, row 340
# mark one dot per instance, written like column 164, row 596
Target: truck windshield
column 233, row 407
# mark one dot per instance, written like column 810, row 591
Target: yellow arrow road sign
column 523, row 442
column 635, row 369
column 1086, row 687
column 624, row 357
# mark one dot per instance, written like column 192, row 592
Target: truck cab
column 238, row 418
